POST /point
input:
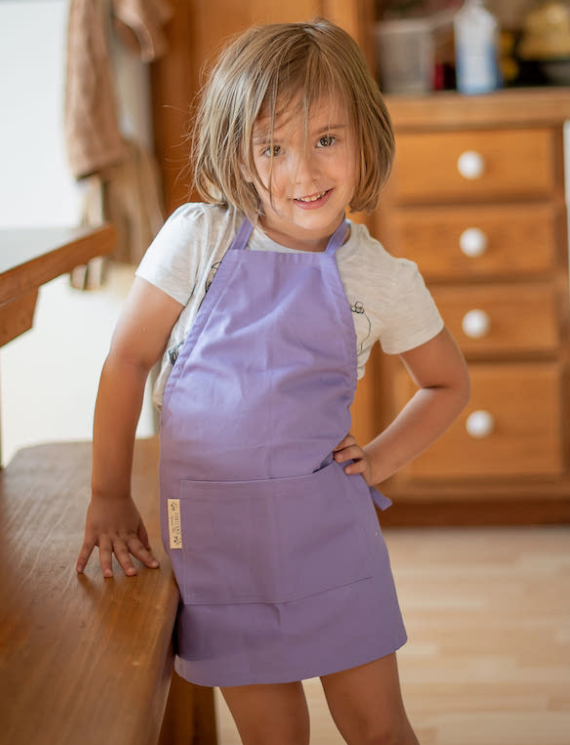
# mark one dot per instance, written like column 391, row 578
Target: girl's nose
column 304, row 169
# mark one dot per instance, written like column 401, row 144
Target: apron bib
column 274, row 548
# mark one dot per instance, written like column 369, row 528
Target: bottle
column 476, row 34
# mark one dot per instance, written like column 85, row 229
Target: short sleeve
column 172, row 261
column 412, row 315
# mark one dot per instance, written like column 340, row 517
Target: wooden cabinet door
column 479, row 242
column 451, row 166
column 511, row 428
column 501, row 320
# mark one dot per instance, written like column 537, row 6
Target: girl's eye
column 272, row 151
column 326, row 141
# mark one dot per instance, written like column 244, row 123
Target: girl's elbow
column 124, row 364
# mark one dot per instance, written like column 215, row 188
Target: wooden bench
column 83, row 659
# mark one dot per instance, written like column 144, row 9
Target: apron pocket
column 272, row 540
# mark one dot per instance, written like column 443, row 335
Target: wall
column 510, row 12
column 48, row 376
column 35, row 184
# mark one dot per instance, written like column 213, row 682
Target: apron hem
column 183, row 666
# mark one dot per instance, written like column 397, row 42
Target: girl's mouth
column 313, row 200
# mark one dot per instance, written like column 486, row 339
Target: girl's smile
column 307, row 173
column 314, row 201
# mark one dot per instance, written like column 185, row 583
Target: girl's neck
column 306, row 243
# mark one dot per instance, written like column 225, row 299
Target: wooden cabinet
column 511, row 428
column 477, row 200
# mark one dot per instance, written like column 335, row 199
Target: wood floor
column 488, row 619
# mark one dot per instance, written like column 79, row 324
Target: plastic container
column 405, row 55
column 408, row 51
column 476, row 49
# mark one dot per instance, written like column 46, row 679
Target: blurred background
column 49, row 375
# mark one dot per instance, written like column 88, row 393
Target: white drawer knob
column 473, row 242
column 476, row 324
column 471, row 165
column 480, row 424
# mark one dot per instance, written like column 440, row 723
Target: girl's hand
column 116, row 527
column 349, row 449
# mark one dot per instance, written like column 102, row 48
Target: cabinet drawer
column 511, row 428
column 454, row 166
column 501, row 319
column 463, row 242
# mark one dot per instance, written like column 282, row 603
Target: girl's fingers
column 106, row 556
column 142, row 553
column 358, row 466
column 353, row 452
column 124, row 558
column 84, row 554
column 116, row 529
column 350, row 450
column 123, row 550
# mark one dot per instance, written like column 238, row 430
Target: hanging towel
column 120, row 178
column 139, row 24
column 92, row 133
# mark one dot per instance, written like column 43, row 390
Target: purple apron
column 282, row 569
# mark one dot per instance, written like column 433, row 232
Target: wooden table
column 31, row 257
column 86, row 660
column 83, row 660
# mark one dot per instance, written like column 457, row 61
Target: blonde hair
column 259, row 74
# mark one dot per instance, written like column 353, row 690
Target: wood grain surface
column 82, row 659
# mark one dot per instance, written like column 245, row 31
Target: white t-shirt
column 387, row 296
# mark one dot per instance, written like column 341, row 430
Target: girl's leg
column 366, row 704
column 269, row 714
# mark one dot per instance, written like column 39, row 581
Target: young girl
column 264, row 303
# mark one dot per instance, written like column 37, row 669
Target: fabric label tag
column 174, row 527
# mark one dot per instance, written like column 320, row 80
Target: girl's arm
column 113, row 521
column 439, row 369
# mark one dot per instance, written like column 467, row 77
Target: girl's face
column 310, row 181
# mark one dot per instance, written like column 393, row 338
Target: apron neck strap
column 242, row 236
column 335, row 241
column 337, row 238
